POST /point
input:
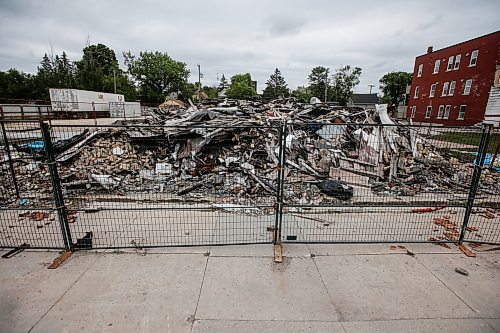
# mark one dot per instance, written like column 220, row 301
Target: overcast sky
column 254, row 36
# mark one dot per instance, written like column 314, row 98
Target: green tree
column 241, row 87
column 303, row 94
column 124, row 85
column 276, row 86
column 15, row 84
column 99, row 69
column 54, row 72
column 98, row 61
column 210, row 91
column 64, row 71
column 393, row 85
column 343, row 82
column 46, row 73
column 187, row 91
column 317, row 81
column 157, row 74
column 223, row 84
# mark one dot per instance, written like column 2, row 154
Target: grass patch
column 461, row 155
column 469, row 138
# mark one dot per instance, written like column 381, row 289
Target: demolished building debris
column 228, row 153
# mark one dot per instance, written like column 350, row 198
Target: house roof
column 365, row 99
column 172, row 103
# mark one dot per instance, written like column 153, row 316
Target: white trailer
column 83, row 102
column 125, row 109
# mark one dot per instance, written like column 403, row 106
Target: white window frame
column 446, row 85
column 413, row 112
column 461, row 115
column 420, row 70
column 451, row 91
column 437, row 64
column 432, row 91
column 467, row 87
column 456, row 66
column 449, row 67
column 417, row 91
column 440, row 112
column 428, row 111
column 447, row 110
column 473, row 58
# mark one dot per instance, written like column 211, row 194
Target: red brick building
column 451, row 86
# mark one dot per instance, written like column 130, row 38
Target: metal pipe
column 56, row 186
column 476, row 177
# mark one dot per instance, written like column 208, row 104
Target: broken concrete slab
column 249, row 326
column 28, row 289
column 420, row 325
column 257, row 289
column 380, row 280
column 476, row 289
column 148, row 305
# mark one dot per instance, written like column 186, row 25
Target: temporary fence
column 138, row 186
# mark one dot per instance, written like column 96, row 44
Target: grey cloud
column 380, row 64
column 283, row 26
column 429, row 24
column 254, row 36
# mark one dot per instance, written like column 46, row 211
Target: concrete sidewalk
column 318, row 288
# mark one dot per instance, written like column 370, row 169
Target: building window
column 447, row 111
column 440, row 112
column 437, row 63
column 445, row 89
column 468, row 85
column 433, row 90
column 452, row 88
column 428, row 112
column 420, row 69
column 473, row 58
column 417, row 88
column 457, row 61
column 450, row 64
column 413, row 111
column 461, row 113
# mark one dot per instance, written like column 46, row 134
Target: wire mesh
column 150, row 186
column 27, row 214
column 376, row 183
column 484, row 222
column 145, row 186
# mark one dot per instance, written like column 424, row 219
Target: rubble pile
column 232, row 163
column 229, row 152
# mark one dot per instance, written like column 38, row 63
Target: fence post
column 276, row 235
column 476, row 176
column 56, row 187
column 11, row 164
column 281, row 183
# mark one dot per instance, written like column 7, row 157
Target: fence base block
column 15, row 251
column 465, row 250
column 59, row 260
column 278, row 256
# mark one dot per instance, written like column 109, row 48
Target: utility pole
column 326, row 85
column 199, row 81
column 114, row 79
column 371, row 86
column 404, row 105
